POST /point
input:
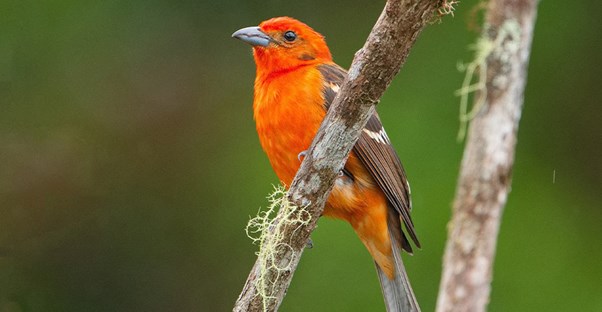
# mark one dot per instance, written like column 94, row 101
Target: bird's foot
column 302, row 154
column 309, row 244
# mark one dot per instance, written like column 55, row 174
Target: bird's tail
column 397, row 292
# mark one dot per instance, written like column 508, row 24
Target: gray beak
column 253, row 36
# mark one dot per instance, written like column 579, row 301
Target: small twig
column 485, row 175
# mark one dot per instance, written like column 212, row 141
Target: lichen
column 447, row 7
column 265, row 229
column 502, row 46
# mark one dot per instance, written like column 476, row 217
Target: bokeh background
column 129, row 163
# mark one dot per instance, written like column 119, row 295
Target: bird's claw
column 309, row 244
column 302, row 154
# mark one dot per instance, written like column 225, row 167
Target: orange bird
column 295, row 83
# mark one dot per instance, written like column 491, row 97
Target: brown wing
column 374, row 150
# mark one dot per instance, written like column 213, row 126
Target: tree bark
column 371, row 72
column 485, row 174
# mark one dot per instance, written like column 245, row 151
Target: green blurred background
column 129, row 163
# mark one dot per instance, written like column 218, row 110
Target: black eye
column 290, row 36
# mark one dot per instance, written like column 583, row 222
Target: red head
column 284, row 43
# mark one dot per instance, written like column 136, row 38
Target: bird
column 296, row 81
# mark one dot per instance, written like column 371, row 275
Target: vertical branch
column 485, row 174
column 371, row 72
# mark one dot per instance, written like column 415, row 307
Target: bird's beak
column 253, row 36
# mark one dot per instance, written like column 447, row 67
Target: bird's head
column 284, row 43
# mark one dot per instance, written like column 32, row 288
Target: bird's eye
column 290, row 36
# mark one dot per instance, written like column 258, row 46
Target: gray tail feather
column 398, row 293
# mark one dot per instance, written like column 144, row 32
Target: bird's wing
column 374, row 150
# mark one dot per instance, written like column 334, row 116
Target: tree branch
column 371, row 72
column 485, row 175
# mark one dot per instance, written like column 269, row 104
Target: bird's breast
column 288, row 110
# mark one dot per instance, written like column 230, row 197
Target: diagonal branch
column 371, row 72
column 485, row 175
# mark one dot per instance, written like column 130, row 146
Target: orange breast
column 288, row 110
